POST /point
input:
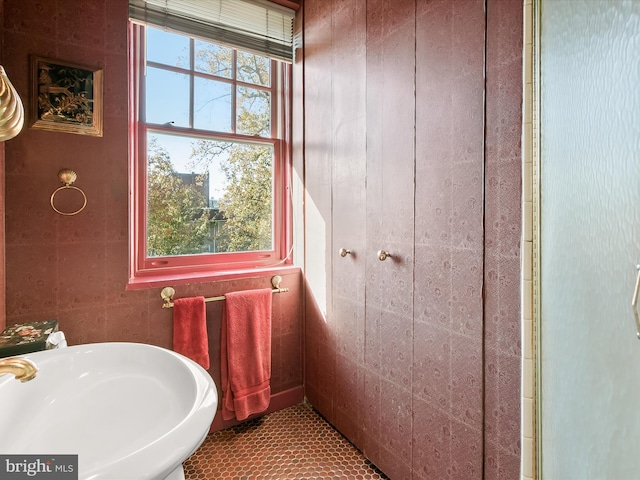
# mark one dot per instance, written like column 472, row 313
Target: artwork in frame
column 66, row 97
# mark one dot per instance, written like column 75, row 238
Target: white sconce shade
column 11, row 109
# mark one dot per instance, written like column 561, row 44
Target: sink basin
column 127, row 410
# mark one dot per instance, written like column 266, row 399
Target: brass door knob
column 382, row 255
column 344, row 252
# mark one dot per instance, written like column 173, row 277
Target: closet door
column 448, row 343
column 390, row 107
column 348, row 248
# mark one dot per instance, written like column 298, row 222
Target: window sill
column 166, row 280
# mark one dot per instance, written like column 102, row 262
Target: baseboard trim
column 279, row 400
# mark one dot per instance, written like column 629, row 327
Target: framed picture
column 66, row 97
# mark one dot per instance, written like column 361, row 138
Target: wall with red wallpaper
column 415, row 359
column 3, row 313
column 502, row 230
column 75, row 268
column 467, row 350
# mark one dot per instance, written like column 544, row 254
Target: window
column 209, row 151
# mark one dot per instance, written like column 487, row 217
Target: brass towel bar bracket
column 167, row 293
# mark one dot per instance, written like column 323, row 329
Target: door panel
column 390, row 116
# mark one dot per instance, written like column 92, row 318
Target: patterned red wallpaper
column 3, row 312
column 75, row 268
column 416, row 359
column 503, row 198
column 408, row 360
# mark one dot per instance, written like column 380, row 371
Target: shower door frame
column 530, row 276
column 536, row 219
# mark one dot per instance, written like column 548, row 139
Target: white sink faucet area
column 127, row 410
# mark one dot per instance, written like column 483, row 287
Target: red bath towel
column 190, row 329
column 246, row 353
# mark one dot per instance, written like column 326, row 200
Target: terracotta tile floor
column 294, row 443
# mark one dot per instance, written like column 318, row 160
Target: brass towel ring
column 68, row 176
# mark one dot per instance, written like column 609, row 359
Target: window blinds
column 258, row 26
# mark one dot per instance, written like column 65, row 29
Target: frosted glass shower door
column 590, row 238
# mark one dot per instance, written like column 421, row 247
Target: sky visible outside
column 168, row 102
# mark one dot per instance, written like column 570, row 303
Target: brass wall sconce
column 11, row 109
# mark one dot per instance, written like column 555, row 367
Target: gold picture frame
column 66, row 97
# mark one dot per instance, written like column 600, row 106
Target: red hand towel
column 190, row 329
column 246, row 353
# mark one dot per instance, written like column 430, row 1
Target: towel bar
column 167, row 293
